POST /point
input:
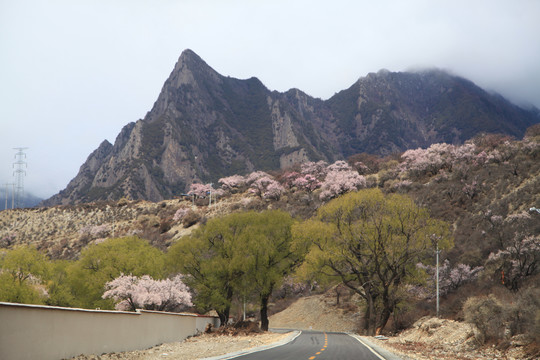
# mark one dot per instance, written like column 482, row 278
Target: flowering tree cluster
column 309, row 178
column 288, row 179
column 267, row 188
column 505, row 230
column 307, row 182
column 339, row 165
column 317, row 169
column 339, row 180
column 430, row 161
column 233, row 184
column 200, row 190
column 517, row 261
column 132, row 292
column 450, row 277
column 518, row 255
column 256, row 175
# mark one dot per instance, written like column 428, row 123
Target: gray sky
column 73, row 73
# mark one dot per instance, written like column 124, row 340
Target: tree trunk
column 223, row 317
column 264, row 312
column 370, row 316
column 224, row 314
column 386, row 312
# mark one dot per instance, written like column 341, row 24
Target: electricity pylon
column 19, row 173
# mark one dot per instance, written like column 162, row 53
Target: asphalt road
column 314, row 345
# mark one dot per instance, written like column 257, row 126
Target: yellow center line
column 324, row 348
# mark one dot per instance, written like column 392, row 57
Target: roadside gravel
column 197, row 347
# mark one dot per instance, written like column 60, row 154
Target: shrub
column 180, row 214
column 526, row 314
column 488, row 314
column 190, row 219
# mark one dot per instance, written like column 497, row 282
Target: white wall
column 48, row 332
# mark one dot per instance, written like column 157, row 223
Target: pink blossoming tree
column 340, row 182
column 200, row 190
column 450, row 277
column 267, row 188
column 233, row 184
column 517, row 261
column 132, row 292
column 316, row 169
column 307, row 182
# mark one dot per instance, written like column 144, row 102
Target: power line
column 19, row 173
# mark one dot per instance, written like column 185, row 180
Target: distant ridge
column 204, row 126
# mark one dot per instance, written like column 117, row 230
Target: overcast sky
column 73, row 73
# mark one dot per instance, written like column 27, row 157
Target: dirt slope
column 317, row 312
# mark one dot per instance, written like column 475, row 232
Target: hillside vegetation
column 486, row 191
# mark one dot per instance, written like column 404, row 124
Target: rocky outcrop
column 204, row 126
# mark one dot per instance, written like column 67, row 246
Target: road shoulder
column 294, row 334
column 377, row 350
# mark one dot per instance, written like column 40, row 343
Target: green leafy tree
column 207, row 257
column 266, row 255
column 59, row 291
column 247, row 254
column 371, row 243
column 103, row 262
column 22, row 270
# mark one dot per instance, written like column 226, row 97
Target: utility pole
column 19, row 173
column 438, row 251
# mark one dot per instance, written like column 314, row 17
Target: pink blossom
column 267, row 188
column 289, row 178
column 340, row 182
column 339, row 165
column 132, row 292
column 233, row 183
column 316, row 169
column 307, row 183
column 180, row 213
column 520, row 259
column 256, row 176
column 450, row 278
column 273, row 191
column 200, row 190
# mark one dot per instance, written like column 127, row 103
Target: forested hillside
column 477, row 202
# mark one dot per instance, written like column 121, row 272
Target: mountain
column 205, row 126
column 28, row 201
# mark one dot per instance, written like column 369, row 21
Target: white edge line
column 366, row 345
column 257, row 349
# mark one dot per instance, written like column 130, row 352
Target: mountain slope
column 205, row 126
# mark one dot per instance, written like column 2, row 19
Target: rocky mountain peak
column 204, row 126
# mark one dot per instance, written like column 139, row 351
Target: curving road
column 314, row 345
